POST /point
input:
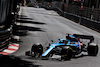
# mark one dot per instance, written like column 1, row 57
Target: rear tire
column 92, row 49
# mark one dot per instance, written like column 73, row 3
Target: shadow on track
column 79, row 56
column 24, row 17
column 20, row 30
column 20, row 27
column 33, row 22
column 12, row 61
column 55, row 59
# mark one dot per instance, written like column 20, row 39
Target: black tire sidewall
column 68, row 54
column 37, row 48
column 92, row 50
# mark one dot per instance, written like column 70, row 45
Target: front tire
column 67, row 53
column 36, row 50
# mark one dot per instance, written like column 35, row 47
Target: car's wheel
column 92, row 49
column 36, row 50
column 67, row 53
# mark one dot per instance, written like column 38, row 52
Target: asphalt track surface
column 45, row 25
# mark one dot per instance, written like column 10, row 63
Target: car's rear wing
column 91, row 38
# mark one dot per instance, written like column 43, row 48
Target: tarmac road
column 45, row 25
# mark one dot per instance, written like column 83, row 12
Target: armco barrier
column 58, row 10
column 83, row 21
column 90, row 23
column 86, row 16
column 72, row 17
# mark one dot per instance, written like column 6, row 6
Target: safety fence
column 89, row 17
column 90, row 13
column 85, row 16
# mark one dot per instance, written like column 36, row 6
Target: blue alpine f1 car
column 66, row 48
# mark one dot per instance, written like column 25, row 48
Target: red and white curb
column 11, row 49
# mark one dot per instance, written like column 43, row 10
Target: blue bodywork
column 61, row 43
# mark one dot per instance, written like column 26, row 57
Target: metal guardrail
column 86, row 16
column 92, row 14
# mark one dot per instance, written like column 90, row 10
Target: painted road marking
column 4, row 53
column 11, row 49
column 13, row 45
column 8, row 51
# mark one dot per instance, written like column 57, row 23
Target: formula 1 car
column 66, row 48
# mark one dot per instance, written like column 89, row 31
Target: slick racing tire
column 67, row 53
column 36, row 50
column 92, row 49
